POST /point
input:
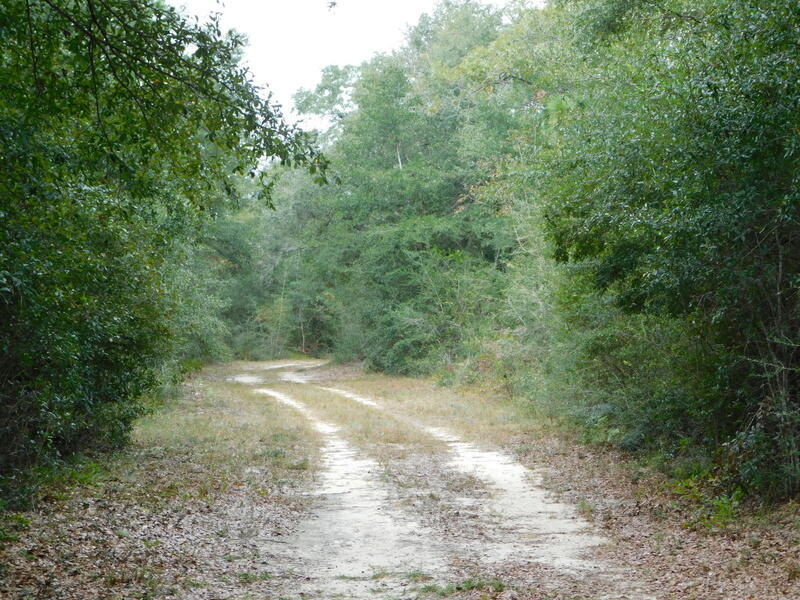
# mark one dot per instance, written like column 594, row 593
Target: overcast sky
column 292, row 40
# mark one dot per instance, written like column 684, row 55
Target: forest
column 594, row 206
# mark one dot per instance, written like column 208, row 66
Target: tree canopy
column 591, row 206
column 121, row 125
column 594, row 202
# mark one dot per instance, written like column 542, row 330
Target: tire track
column 524, row 522
column 356, row 544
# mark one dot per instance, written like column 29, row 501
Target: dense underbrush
column 123, row 129
column 593, row 204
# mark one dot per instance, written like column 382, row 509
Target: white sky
column 292, row 40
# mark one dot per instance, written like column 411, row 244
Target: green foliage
column 468, row 585
column 399, row 263
column 709, row 510
column 122, row 126
column 10, row 525
column 594, row 203
column 676, row 196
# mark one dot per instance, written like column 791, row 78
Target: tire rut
column 357, row 544
column 366, row 538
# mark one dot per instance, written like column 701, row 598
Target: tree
column 397, row 263
column 121, row 126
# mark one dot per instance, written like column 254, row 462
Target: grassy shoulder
column 204, row 478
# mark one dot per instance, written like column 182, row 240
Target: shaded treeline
column 122, row 128
column 591, row 206
column 594, row 205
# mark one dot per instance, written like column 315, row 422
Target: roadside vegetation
column 123, row 129
column 591, row 207
column 182, row 511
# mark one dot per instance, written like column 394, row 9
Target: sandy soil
column 297, row 480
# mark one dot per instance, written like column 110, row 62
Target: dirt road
column 411, row 507
column 297, row 480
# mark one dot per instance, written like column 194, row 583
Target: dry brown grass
column 474, row 415
column 381, row 434
column 227, row 434
column 183, row 512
